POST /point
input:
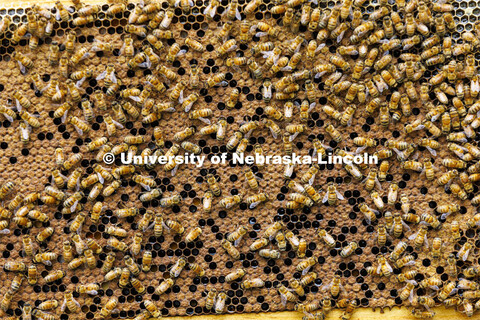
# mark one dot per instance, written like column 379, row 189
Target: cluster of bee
column 398, row 63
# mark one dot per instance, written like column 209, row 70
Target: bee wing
column 274, row 134
column 293, row 136
column 325, row 198
column 260, row 34
column 24, row 131
column 283, row 298
column 79, row 131
column 174, row 170
column 117, row 124
column 254, row 204
column 180, row 97
column 5, row 231
column 208, row 10
column 204, row 120
column 101, row 75
column 378, row 184
column 80, row 82
column 113, row 78
column 413, row 236
column 145, row 186
column 147, row 64
column 339, row 195
column 305, row 271
column 238, row 15
column 58, row 17
column 85, row 56
column 100, row 178
column 326, row 287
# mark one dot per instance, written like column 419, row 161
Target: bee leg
column 405, row 225
column 10, row 119
column 360, row 149
column 274, row 134
column 413, row 236
column 425, row 241
column 238, row 15
column 340, row 37
column 305, row 271
column 260, row 34
column 208, row 10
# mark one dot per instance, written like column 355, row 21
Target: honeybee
column 172, row 225
column 54, row 275
column 287, row 295
column 235, row 275
column 269, row 253
column 464, row 251
column 252, row 283
column 48, row 305
column 210, row 299
column 332, row 194
column 5, row 24
column 230, row 249
column 446, row 291
column 109, row 306
column 90, row 288
column 164, row 286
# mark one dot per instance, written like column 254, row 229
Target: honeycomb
column 28, row 166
